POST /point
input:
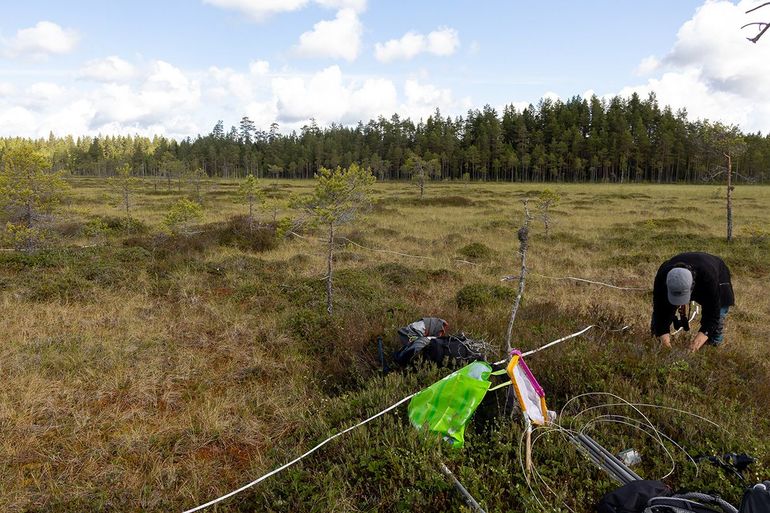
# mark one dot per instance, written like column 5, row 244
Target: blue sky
column 175, row 66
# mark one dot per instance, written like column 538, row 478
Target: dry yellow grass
column 137, row 397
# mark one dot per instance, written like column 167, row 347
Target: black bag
column 757, row 499
column 425, row 327
column 448, row 350
column 690, row 501
column 633, row 497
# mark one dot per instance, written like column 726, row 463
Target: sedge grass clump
column 241, row 232
column 123, row 225
column 476, row 252
column 480, row 295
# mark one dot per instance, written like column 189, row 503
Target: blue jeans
column 718, row 336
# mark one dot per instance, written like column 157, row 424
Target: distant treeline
column 580, row 140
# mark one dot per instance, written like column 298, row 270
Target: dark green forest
column 581, row 140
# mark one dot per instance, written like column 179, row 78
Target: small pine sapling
column 339, row 196
column 125, row 186
column 196, row 181
column 251, row 193
column 182, row 216
column 29, row 195
column 545, row 200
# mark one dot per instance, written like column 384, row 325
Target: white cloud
column 647, row 66
column 259, row 10
column 72, row 118
column 419, row 94
column 422, row 99
column 712, row 70
column 550, row 95
column 322, row 96
column 356, row 5
column 109, row 69
column 407, row 47
column 44, row 39
column 44, row 91
column 262, row 113
column 17, row 121
column 339, row 38
column 376, row 97
column 6, row 89
column 259, row 67
column 442, row 42
column 229, row 83
column 164, row 99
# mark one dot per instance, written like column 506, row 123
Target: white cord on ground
column 295, row 460
column 550, row 344
column 583, row 280
column 593, row 282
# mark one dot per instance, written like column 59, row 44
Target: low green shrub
column 478, row 295
column 476, row 252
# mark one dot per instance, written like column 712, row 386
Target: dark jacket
column 712, row 290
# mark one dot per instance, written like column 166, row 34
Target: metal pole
column 598, row 461
column 608, row 459
column 469, row 500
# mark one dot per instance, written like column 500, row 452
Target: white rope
column 295, row 460
column 550, row 343
column 510, row 278
column 590, row 281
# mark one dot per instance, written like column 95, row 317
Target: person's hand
column 698, row 341
column 666, row 340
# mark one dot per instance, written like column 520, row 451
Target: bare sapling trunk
column 729, row 198
column 329, row 266
column 523, row 235
column 422, row 186
column 251, row 213
column 126, row 202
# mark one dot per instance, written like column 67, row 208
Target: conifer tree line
column 615, row 140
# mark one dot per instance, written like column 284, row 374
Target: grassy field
column 147, row 372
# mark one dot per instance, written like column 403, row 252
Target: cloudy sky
column 175, row 67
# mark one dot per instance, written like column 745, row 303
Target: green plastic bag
column 446, row 406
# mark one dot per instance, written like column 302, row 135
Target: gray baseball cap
column 679, row 284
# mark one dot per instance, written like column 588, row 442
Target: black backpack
column 633, row 497
column 756, row 499
column 425, row 327
column 448, row 350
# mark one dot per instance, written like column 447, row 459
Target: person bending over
column 686, row 277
